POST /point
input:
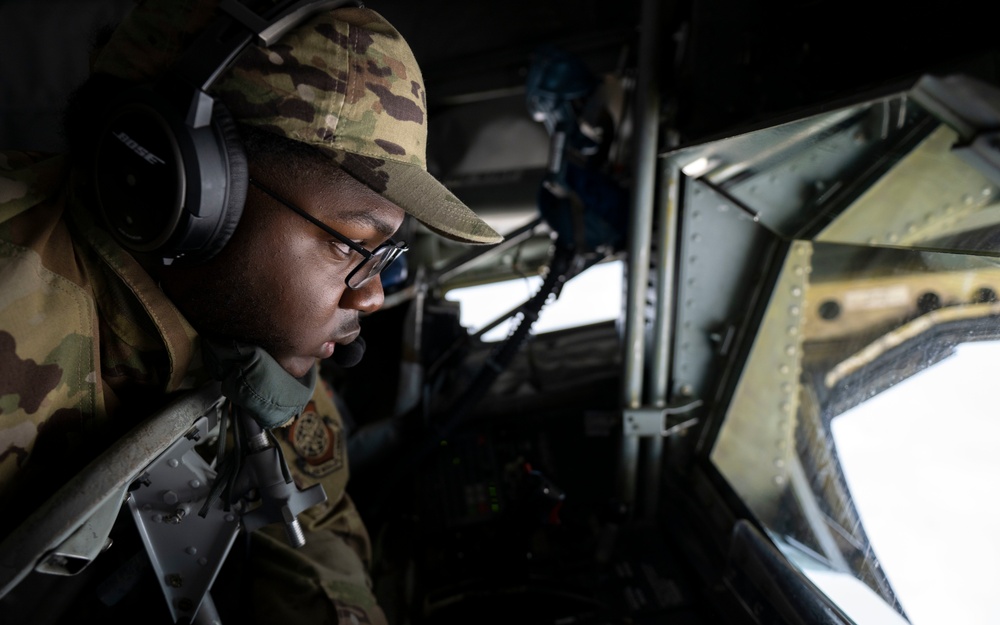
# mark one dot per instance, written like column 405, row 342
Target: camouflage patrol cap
column 345, row 81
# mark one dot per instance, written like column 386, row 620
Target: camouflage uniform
column 89, row 345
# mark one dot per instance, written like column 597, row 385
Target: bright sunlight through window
column 591, row 297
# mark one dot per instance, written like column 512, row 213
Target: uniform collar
column 178, row 337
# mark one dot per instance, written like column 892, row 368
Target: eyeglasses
column 372, row 264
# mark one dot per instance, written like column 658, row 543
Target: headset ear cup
column 232, row 147
column 164, row 188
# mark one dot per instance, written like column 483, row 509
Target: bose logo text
column 145, row 154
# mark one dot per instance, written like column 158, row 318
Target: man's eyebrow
column 366, row 218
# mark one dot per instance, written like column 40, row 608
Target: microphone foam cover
column 350, row 354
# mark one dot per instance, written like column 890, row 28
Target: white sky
column 921, row 460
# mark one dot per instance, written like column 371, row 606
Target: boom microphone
column 350, row 354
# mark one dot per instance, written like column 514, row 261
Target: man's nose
column 367, row 299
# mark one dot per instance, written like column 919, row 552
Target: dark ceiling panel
column 469, row 47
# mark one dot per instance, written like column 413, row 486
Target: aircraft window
column 860, row 430
column 593, row 296
column 837, row 281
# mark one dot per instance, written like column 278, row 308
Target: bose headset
column 170, row 173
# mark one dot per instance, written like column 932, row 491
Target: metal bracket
column 95, row 491
column 185, row 549
column 86, row 543
column 278, row 497
column 661, row 422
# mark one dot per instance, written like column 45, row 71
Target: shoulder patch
column 318, row 442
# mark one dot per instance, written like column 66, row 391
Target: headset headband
column 218, row 46
column 169, row 170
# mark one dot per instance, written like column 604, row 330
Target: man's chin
column 297, row 366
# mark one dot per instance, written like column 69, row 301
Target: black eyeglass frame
column 394, row 249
